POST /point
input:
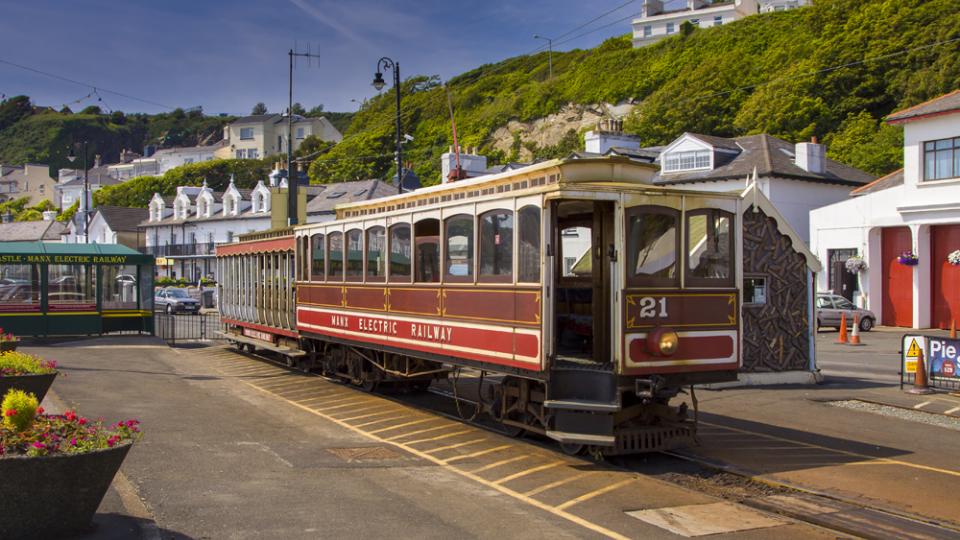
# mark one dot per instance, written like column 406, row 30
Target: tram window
column 118, row 285
column 19, row 284
column 317, row 266
column 427, row 238
column 458, row 262
column 709, row 248
column 529, row 249
column 496, row 246
column 335, row 256
column 575, row 245
column 400, row 253
column 305, row 258
column 376, row 254
column 354, row 270
column 70, row 284
column 652, row 244
column 146, row 288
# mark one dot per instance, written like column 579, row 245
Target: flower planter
column 7, row 346
column 55, row 496
column 35, row 384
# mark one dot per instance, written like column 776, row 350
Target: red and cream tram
column 596, row 295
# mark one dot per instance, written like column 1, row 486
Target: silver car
column 831, row 308
column 175, row 300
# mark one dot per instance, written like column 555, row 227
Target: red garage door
column 897, row 278
column 945, row 282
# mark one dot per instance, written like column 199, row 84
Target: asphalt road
column 877, row 361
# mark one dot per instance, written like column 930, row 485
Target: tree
column 259, row 108
column 67, row 214
column 13, row 109
column 299, row 110
column 93, row 109
column 66, row 110
column 316, row 111
column 312, row 145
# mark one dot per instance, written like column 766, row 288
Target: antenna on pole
column 293, row 177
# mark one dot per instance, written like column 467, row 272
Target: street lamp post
column 551, row 53
column 86, row 188
column 379, row 83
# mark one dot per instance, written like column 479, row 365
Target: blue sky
column 227, row 56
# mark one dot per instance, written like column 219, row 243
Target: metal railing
column 180, row 250
column 187, row 327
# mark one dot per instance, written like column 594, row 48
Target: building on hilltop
column 30, row 180
column 656, row 23
column 261, row 135
column 915, row 210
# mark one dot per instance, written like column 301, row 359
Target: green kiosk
column 74, row 289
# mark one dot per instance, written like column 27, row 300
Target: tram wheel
column 573, row 449
column 370, row 386
column 508, row 402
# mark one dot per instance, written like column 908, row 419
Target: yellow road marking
column 922, row 405
column 528, row 471
column 558, row 483
column 955, row 409
column 845, row 452
column 342, row 400
column 376, row 421
column 480, row 453
column 447, row 436
column 352, row 411
column 324, row 396
column 402, row 435
column 497, row 464
column 469, row 475
column 341, row 406
column 402, row 425
column 593, row 494
column 452, row 446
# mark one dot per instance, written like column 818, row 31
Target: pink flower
column 11, row 412
column 39, row 410
column 82, row 421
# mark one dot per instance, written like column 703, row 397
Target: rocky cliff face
column 549, row 130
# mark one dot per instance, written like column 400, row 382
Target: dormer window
column 233, row 206
column 686, row 161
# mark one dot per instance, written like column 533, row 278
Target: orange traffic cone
column 855, row 336
column 920, row 385
column 843, row 330
column 953, row 329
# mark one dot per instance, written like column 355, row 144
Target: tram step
column 581, row 438
column 581, row 405
column 287, row 351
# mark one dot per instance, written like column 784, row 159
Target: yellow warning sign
column 914, row 350
column 911, row 366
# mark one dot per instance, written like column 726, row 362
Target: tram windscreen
column 708, row 245
column 653, row 242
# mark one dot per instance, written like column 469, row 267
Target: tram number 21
column 648, row 307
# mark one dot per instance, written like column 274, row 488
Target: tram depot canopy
column 51, row 289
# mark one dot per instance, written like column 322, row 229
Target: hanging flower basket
column 856, row 265
column 907, row 258
column 954, row 258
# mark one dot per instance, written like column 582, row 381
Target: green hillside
column 772, row 73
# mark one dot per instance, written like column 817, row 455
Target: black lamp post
column 379, row 83
column 86, row 188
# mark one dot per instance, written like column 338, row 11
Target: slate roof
column 356, row 191
column 891, row 180
column 947, row 104
column 31, row 231
column 255, row 119
column 123, row 219
column 94, row 179
column 771, row 157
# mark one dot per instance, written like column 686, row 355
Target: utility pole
column 293, row 176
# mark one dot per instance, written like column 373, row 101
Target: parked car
column 175, row 300
column 831, row 308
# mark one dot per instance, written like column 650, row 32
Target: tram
column 590, row 295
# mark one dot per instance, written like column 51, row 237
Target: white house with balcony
column 656, row 22
column 915, row 210
column 261, row 135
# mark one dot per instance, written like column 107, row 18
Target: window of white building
column 300, row 133
column 669, row 27
column 647, row 31
column 246, row 133
column 684, row 161
column 718, row 20
column 941, row 159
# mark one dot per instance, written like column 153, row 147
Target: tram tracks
column 533, row 471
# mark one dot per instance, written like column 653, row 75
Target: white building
column 108, row 225
column 258, row 136
column 656, row 23
column 914, row 210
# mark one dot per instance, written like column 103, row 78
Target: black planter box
column 35, row 384
column 54, row 497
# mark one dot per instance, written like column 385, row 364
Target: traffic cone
column 855, row 336
column 953, row 329
column 920, row 385
column 842, row 340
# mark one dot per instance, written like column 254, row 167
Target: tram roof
column 106, row 252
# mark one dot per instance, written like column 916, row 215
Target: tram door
column 584, row 232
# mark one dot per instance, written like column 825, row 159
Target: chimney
column 96, row 161
column 470, row 162
column 695, row 4
column 609, row 134
column 8, row 217
column 49, row 215
column 812, row 157
column 650, row 8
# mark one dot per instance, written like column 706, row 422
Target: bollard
column 843, row 340
column 953, row 329
column 855, row 336
column 920, row 385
